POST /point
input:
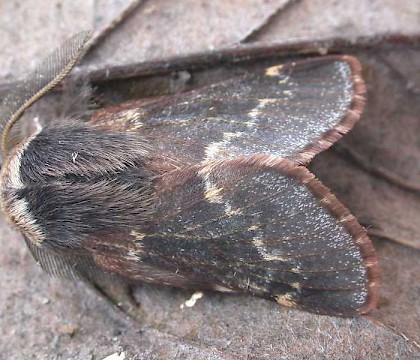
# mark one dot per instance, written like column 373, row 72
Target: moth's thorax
column 67, row 183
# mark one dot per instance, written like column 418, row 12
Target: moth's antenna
column 53, row 69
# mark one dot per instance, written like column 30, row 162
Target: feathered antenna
column 47, row 75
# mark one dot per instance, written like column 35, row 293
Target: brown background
column 45, row 318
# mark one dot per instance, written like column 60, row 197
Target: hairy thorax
column 67, row 182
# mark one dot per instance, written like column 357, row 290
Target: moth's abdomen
column 66, row 183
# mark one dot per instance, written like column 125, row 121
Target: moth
column 206, row 189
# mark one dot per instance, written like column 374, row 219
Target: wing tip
column 352, row 116
column 322, row 193
column 330, row 202
column 356, row 231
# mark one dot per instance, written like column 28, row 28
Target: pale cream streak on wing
column 273, row 70
column 192, row 228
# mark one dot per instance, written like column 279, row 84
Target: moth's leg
column 117, row 291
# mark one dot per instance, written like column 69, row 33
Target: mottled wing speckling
column 294, row 111
column 251, row 225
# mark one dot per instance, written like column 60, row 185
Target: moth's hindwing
column 260, row 225
column 293, row 110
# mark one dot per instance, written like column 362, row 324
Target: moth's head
column 27, row 164
column 67, row 182
column 14, row 207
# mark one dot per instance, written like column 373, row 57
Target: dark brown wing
column 293, row 110
column 260, row 225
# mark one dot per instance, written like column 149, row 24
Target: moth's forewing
column 261, row 225
column 293, row 110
